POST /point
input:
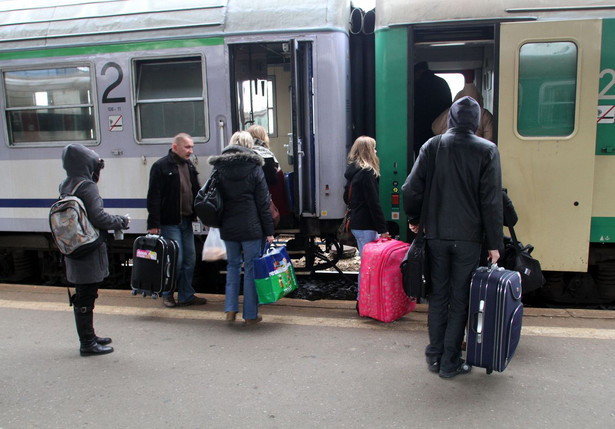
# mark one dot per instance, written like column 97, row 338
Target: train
column 124, row 76
column 545, row 71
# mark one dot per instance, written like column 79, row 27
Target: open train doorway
column 465, row 57
column 272, row 87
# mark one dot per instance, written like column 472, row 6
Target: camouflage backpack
column 70, row 227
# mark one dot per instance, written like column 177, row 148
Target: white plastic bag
column 214, row 248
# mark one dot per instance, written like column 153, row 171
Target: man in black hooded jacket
column 464, row 205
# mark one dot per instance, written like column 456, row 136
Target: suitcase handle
column 478, row 321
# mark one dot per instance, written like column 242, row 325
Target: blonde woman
column 246, row 222
column 362, row 175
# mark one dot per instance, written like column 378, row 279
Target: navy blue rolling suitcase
column 494, row 318
column 154, row 265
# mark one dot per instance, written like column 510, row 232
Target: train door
column 272, row 87
column 301, row 143
column 548, row 95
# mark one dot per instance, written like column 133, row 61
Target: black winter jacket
column 365, row 210
column 163, row 195
column 247, row 215
column 465, row 201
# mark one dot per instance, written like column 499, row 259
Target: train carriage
column 545, row 71
column 124, row 76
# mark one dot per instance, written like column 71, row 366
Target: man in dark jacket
column 173, row 185
column 432, row 96
column 464, row 205
column 86, row 272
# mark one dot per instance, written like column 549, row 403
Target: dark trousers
column 83, row 307
column 451, row 264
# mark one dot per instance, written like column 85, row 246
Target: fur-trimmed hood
column 235, row 161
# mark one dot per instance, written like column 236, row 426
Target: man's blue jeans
column 186, row 259
column 252, row 249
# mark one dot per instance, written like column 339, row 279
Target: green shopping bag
column 274, row 275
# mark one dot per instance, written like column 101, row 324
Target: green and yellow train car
column 547, row 73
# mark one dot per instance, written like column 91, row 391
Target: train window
column 256, row 103
column 50, row 106
column 170, row 99
column 547, row 89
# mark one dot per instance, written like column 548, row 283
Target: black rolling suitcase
column 494, row 318
column 154, row 265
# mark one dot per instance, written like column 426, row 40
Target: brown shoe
column 169, row 301
column 251, row 322
column 195, row 301
column 230, row 316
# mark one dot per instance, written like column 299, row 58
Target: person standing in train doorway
column 432, row 96
column 87, row 272
column 173, row 185
column 464, row 205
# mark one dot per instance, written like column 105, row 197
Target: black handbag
column 517, row 257
column 343, row 234
column 415, row 267
column 208, row 204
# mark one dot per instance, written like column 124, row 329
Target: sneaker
column 463, row 368
column 231, row 316
column 169, row 301
column 195, row 301
column 434, row 367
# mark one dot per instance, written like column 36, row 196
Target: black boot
column 84, row 318
column 103, row 341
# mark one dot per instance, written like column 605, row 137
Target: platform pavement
column 308, row 365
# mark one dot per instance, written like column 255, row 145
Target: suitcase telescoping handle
column 478, row 321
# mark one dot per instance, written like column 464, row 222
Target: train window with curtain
column 50, row 106
column 169, row 99
column 547, row 89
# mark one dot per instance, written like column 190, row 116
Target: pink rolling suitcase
column 381, row 294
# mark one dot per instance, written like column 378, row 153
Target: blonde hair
column 259, row 132
column 363, row 154
column 242, row 138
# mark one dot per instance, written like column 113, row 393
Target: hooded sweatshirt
column 81, row 164
column 465, row 201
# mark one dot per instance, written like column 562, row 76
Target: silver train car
column 124, row 76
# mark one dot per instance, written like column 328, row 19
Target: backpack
column 70, row 227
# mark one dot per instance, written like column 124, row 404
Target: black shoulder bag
column 415, row 267
column 208, row 204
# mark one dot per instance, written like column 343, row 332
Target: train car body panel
column 123, row 77
column 539, row 145
column 543, row 70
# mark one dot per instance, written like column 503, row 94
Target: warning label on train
column 606, row 114
column 115, row 123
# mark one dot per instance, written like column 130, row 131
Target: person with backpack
column 87, row 271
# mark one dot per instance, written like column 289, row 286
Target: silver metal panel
column 45, row 23
column 399, row 12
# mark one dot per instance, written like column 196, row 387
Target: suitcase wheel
column 489, row 371
column 155, row 296
column 144, row 294
column 134, row 292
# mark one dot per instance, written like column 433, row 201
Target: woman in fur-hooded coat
column 246, row 222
